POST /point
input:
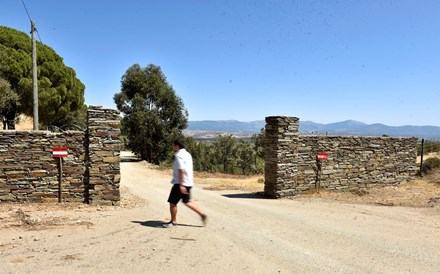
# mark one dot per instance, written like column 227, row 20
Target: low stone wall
column 29, row 173
column 91, row 173
column 354, row 163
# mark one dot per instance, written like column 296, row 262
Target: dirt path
column 245, row 234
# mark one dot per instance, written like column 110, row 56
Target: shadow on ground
column 254, row 195
column 158, row 224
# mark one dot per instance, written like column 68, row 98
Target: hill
column 211, row 129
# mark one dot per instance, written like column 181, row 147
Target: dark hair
column 179, row 143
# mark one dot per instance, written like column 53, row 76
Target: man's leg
column 197, row 209
column 173, row 212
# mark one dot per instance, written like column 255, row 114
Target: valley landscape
column 211, row 129
column 207, row 129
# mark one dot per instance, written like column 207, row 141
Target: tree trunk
column 9, row 120
column 11, row 124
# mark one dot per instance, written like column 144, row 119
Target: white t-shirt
column 183, row 160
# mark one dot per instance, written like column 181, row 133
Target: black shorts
column 176, row 195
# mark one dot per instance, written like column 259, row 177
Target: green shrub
column 430, row 164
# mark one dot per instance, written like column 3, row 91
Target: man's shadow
column 159, row 224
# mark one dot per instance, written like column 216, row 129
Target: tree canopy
column 227, row 154
column 60, row 92
column 153, row 115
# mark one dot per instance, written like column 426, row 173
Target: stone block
column 49, row 200
column 111, row 159
column 16, row 174
column 8, row 198
column 38, row 173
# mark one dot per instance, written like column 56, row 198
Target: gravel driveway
column 245, row 234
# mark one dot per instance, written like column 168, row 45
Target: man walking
column 182, row 183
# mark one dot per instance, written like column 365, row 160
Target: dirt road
column 245, row 234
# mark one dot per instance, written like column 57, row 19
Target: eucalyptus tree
column 153, row 114
column 60, row 92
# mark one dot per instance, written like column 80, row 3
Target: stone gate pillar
column 282, row 136
column 103, row 155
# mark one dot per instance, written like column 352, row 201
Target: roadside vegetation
column 429, row 147
column 227, row 154
column 431, row 161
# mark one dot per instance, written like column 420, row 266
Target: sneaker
column 204, row 219
column 169, row 225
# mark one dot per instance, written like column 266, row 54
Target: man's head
column 178, row 144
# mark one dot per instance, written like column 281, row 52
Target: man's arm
column 182, row 174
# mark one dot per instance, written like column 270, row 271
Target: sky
column 375, row 61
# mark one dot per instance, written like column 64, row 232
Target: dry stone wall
column 354, row 163
column 103, row 149
column 91, row 173
column 281, row 169
column 28, row 173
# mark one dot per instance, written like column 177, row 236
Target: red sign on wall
column 322, row 156
column 59, row 152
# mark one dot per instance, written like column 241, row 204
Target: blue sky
column 374, row 61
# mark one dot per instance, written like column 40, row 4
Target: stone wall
column 91, row 174
column 281, row 169
column 103, row 154
column 28, row 173
column 354, row 163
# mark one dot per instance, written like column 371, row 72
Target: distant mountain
column 211, row 129
column 227, row 126
column 355, row 128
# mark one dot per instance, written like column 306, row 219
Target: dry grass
column 433, row 177
column 422, row 192
column 428, row 155
column 230, row 182
column 24, row 123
